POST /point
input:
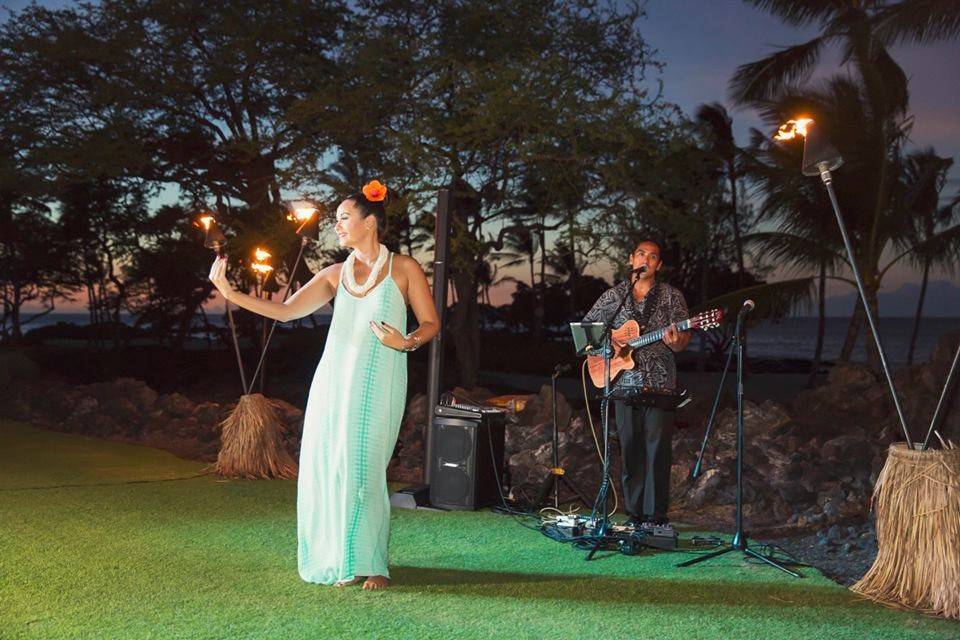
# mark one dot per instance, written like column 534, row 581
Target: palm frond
column 764, row 78
column 794, row 251
column 895, row 83
column 715, row 118
column 773, row 300
column 919, row 21
column 797, row 12
column 942, row 249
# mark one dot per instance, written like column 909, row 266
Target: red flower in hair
column 375, row 191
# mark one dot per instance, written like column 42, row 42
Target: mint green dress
column 350, row 428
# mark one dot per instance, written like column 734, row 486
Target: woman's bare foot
column 348, row 583
column 376, row 582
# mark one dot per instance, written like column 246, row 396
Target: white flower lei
column 346, row 273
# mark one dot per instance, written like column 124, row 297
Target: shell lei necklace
column 375, row 269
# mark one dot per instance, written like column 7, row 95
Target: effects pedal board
column 657, row 536
column 574, row 526
column 661, row 536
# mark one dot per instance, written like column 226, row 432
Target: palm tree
column 851, row 25
column 715, row 119
column 799, row 205
column 807, row 235
column 882, row 91
column 923, row 178
column 520, row 246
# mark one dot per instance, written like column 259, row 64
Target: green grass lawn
column 101, row 540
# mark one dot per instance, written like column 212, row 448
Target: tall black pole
column 441, row 231
column 556, row 439
column 828, row 181
column 943, row 396
column 738, row 541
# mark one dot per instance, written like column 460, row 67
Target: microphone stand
column 695, row 473
column 599, row 513
column 739, row 541
column 557, row 473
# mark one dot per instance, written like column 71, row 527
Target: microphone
column 747, row 307
column 560, row 368
column 641, row 269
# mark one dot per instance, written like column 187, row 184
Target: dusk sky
column 702, row 42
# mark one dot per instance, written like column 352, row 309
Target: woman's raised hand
column 388, row 335
column 218, row 276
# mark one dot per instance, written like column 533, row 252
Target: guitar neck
column 653, row 336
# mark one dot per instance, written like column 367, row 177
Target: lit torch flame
column 793, row 128
column 261, row 268
column 206, row 221
column 302, row 214
column 261, row 255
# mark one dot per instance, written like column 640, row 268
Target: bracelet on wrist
column 414, row 338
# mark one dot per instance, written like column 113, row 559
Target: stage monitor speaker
column 463, row 475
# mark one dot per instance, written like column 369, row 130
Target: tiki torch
column 264, row 273
column 820, row 158
column 304, row 213
column 213, row 238
column 261, row 268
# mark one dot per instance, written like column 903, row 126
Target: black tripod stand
column 557, row 474
column 739, row 541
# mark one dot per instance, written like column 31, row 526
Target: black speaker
column 464, row 475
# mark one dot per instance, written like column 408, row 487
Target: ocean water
column 797, row 338
column 787, row 338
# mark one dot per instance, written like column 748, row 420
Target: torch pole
column 943, row 396
column 286, row 293
column 828, row 182
column 236, row 345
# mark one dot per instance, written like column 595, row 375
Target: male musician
column 645, row 433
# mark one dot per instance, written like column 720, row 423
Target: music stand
column 588, row 337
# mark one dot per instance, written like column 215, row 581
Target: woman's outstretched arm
column 313, row 295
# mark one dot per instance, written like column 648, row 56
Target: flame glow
column 793, row 128
column 261, row 268
column 261, row 255
column 301, row 211
column 206, row 221
column 304, row 213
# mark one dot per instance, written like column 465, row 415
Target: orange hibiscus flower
column 375, row 191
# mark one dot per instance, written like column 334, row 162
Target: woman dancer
column 357, row 396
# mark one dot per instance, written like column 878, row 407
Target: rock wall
column 809, row 465
column 128, row 410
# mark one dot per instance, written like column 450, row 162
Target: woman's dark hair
column 376, row 209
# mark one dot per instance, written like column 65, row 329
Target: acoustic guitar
column 627, row 337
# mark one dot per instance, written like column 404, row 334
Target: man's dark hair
column 650, row 240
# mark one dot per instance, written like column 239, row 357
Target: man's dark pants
column 646, row 454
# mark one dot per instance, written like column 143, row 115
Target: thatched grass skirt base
column 251, row 442
column 917, row 504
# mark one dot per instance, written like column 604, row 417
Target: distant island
column 942, row 301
